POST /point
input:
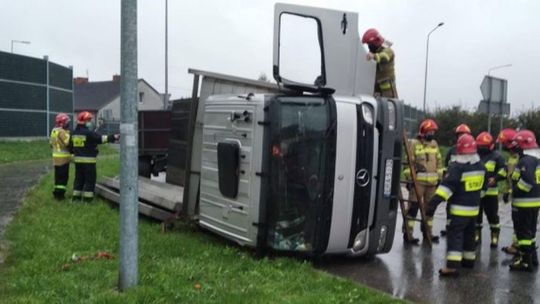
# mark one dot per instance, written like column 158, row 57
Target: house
column 102, row 98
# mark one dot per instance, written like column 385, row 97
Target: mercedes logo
column 362, row 177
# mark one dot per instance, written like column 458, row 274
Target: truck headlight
column 359, row 241
column 367, row 113
column 391, row 116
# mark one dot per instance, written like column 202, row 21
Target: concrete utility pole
column 128, row 148
column 427, row 56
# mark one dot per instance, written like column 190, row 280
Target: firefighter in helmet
column 59, row 142
column 382, row 54
column 460, row 130
column 427, row 161
column 83, row 144
column 505, row 138
column 495, row 172
column 526, row 199
column 461, row 187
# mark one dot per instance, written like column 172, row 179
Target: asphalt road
column 411, row 272
column 15, row 181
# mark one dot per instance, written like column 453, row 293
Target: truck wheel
column 145, row 167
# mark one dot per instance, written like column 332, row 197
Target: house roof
column 92, row 96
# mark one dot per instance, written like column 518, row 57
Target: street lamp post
column 427, row 56
column 489, row 114
column 18, row 41
column 498, row 67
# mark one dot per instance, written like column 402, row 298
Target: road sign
column 494, row 108
column 494, row 89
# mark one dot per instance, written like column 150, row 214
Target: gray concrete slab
column 411, row 272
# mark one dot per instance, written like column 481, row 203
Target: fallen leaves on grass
column 75, row 259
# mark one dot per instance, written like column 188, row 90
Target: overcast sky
column 235, row 37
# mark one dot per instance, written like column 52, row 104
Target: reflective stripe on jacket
column 59, row 142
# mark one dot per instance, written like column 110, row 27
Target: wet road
column 15, row 181
column 411, row 272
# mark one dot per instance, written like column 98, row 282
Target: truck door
column 318, row 48
column 231, row 158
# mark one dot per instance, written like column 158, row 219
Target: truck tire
column 145, row 167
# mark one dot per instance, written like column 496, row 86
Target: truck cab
column 313, row 168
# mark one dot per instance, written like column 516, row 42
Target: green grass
column 45, row 234
column 12, row 151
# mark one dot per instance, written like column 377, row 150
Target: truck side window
column 228, row 168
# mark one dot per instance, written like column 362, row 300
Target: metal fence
column 32, row 92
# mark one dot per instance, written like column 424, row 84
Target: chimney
column 116, row 78
column 80, row 80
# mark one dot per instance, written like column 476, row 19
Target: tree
column 263, row 77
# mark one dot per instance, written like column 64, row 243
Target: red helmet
column 84, row 117
column 426, row 126
column 484, row 139
column 462, row 129
column 372, row 37
column 62, row 120
column 466, row 144
column 505, row 137
column 525, row 139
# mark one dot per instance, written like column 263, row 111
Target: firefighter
column 505, row 139
column 495, row 172
column 461, row 187
column 83, row 144
column 383, row 55
column 460, row 130
column 526, row 199
column 59, row 142
column 426, row 158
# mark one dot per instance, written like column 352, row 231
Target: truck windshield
column 302, row 129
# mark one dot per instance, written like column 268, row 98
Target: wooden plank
column 160, row 194
column 144, row 209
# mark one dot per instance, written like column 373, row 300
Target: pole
column 425, row 74
column 46, row 58
column 426, row 71
column 11, row 46
column 166, row 97
column 128, row 148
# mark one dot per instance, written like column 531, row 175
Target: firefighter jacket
column 59, row 142
column 427, row 160
column 84, row 143
column 526, row 180
column 496, row 169
column 511, row 163
column 385, row 66
column 451, row 152
column 462, row 187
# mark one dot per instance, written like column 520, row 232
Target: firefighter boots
column 494, row 238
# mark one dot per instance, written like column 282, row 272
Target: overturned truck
column 313, row 164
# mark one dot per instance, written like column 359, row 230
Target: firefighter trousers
column 490, row 205
column 426, row 192
column 386, row 88
column 85, row 181
column 525, row 222
column 61, row 176
column 460, row 247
